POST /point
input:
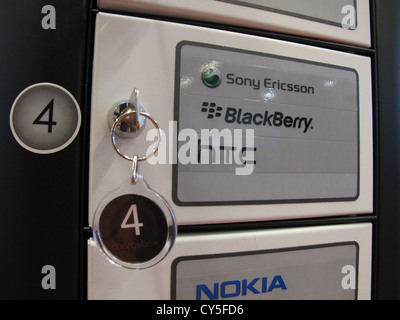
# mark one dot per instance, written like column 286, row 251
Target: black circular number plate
column 133, row 229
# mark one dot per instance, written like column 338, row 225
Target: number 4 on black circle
column 50, row 123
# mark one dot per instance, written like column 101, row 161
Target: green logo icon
column 211, row 77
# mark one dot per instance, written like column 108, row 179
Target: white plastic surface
column 134, row 52
column 239, row 15
column 108, row 281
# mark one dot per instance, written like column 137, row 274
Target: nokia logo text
column 236, row 288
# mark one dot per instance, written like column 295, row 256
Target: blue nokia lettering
column 235, row 288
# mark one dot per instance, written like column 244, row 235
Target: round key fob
column 134, row 226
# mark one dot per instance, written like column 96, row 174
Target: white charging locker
column 150, row 55
column 320, row 19
column 326, row 262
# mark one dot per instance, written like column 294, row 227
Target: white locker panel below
column 324, row 262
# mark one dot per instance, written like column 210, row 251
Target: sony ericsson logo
column 265, row 119
column 211, row 77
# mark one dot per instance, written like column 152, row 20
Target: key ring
column 134, row 226
column 136, row 158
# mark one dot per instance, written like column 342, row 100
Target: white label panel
column 313, row 272
column 303, row 117
column 324, row 11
